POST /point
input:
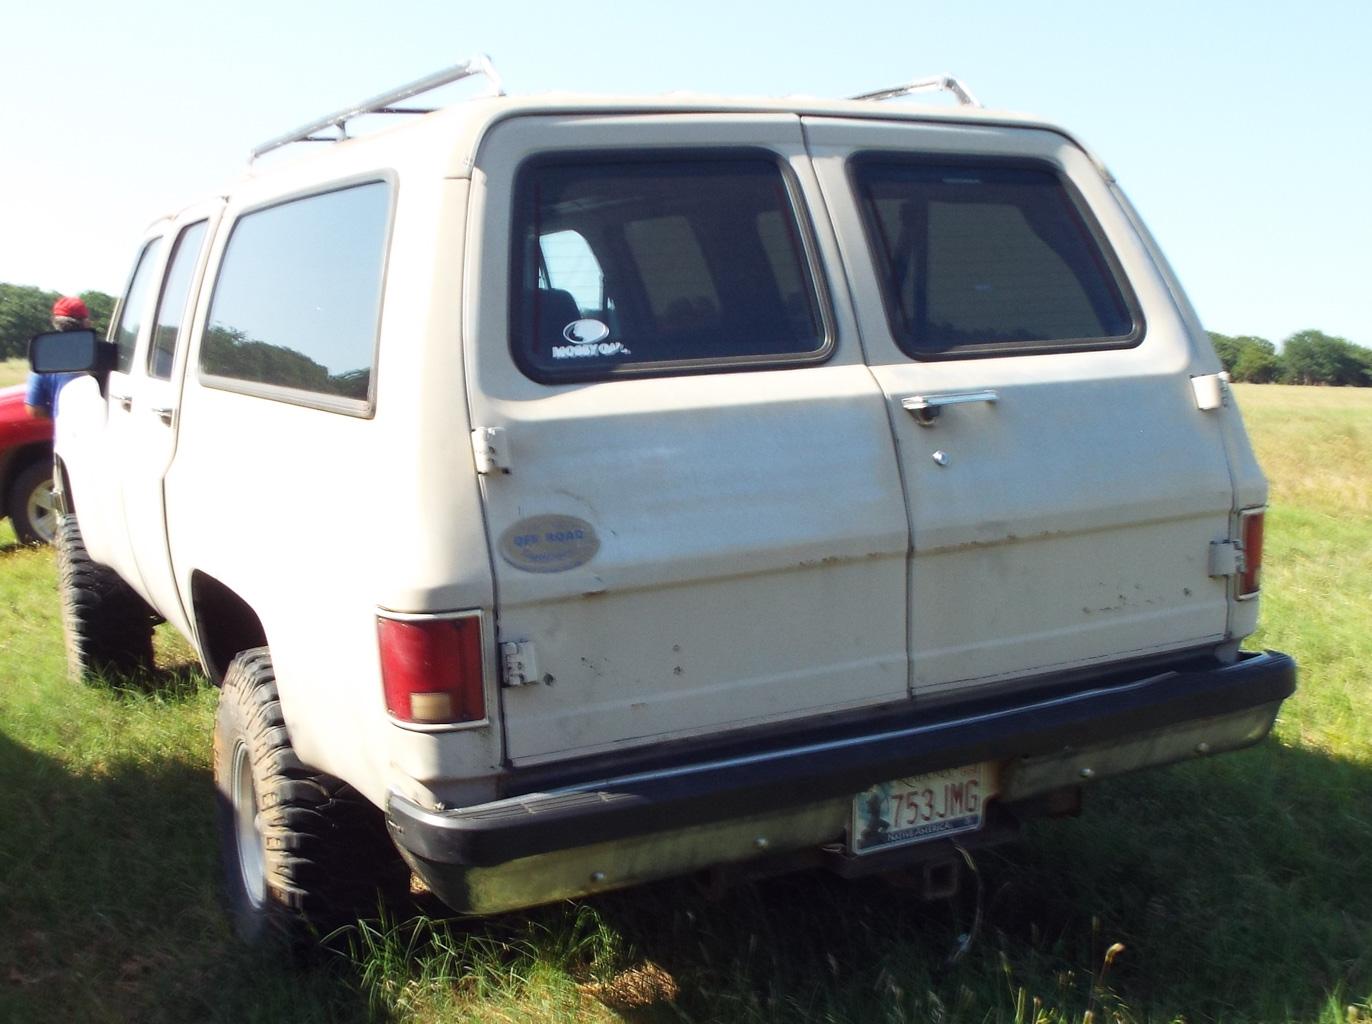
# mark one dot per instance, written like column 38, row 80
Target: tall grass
column 1237, row 888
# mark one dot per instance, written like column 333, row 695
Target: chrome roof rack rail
column 385, row 104
column 938, row 83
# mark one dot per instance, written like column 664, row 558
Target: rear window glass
column 986, row 259
column 649, row 265
column 298, row 297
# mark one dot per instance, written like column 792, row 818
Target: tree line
column 1307, row 357
column 26, row 311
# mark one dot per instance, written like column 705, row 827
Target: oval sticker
column 549, row 543
column 586, row 332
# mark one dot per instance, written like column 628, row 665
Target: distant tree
column 1226, row 348
column 24, row 312
column 101, row 306
column 1258, row 365
column 1247, row 358
column 1313, row 357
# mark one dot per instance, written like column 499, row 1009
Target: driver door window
column 171, row 306
column 134, row 307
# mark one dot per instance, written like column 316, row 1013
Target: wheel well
column 224, row 623
column 16, row 460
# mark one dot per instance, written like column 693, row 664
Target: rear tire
column 302, row 852
column 107, row 626
column 30, row 504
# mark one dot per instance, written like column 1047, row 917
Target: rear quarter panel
column 318, row 519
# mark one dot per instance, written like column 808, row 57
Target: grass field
column 13, row 371
column 1240, row 888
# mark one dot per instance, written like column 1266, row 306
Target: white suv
column 589, row 492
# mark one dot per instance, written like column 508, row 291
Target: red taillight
column 431, row 669
column 1250, row 537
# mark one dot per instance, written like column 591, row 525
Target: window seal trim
column 356, row 407
column 856, row 160
column 812, row 265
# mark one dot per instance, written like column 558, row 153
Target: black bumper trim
column 717, row 790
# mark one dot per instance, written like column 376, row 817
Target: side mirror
column 70, row 352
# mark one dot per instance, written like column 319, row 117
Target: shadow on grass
column 1238, row 884
column 11, row 547
column 172, row 680
column 109, row 908
column 1238, row 888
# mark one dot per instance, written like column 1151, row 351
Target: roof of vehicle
column 453, row 133
column 462, row 125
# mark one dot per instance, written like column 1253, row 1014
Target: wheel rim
column 252, row 856
column 41, row 509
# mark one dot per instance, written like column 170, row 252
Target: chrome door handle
column 163, row 412
column 926, row 408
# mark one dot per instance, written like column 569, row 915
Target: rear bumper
column 547, row 845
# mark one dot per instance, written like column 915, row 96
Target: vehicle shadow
column 1237, row 887
column 9, row 546
column 177, row 675
column 109, row 904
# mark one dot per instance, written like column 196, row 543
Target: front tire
column 30, row 504
column 302, row 852
column 107, row 626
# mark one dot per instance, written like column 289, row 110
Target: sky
column 1240, row 130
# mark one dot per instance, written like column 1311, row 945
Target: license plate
column 920, row 808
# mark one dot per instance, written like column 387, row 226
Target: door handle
column 126, row 401
column 163, row 412
column 926, row 408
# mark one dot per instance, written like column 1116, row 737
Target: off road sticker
column 585, row 339
column 549, row 543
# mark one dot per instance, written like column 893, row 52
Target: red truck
column 25, row 469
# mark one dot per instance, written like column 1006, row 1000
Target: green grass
column 13, row 371
column 1239, row 887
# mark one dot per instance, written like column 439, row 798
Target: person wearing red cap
column 40, row 400
column 70, row 314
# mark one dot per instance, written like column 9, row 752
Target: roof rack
column 938, row 83
column 384, row 104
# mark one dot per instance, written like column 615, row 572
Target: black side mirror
column 70, row 352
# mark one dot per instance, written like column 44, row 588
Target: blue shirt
column 43, row 389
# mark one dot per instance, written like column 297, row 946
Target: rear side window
column 298, row 297
column 655, row 265
column 985, row 259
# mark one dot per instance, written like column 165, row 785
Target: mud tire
column 107, row 626
column 302, row 852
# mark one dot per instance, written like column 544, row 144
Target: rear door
column 1063, row 486
column 153, row 386
column 692, row 502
